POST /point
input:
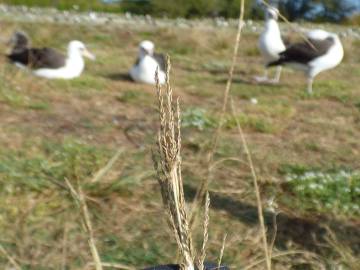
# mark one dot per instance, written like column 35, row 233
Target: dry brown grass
column 168, row 167
column 10, row 258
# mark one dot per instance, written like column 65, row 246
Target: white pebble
column 254, row 101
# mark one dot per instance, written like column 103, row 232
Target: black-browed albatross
column 322, row 51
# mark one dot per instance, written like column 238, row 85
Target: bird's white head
column 79, row 49
column 272, row 13
column 146, row 47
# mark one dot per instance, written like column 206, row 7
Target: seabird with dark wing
column 271, row 44
column 147, row 63
column 51, row 64
column 322, row 51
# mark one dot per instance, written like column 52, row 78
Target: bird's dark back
column 38, row 58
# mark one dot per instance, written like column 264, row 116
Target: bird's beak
column 88, row 54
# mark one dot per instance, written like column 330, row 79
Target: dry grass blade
column 103, row 171
column 64, row 247
column 202, row 256
column 222, row 251
column 114, row 266
column 257, row 189
column 284, row 254
column 168, row 167
column 200, row 194
column 345, row 252
column 10, row 259
column 272, row 244
column 80, row 200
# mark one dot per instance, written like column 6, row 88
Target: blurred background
column 305, row 149
column 344, row 11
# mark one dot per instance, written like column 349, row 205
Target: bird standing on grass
column 47, row 62
column 147, row 63
column 271, row 44
column 322, row 51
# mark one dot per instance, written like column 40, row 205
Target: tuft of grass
column 357, row 105
column 258, row 124
column 85, row 83
column 252, row 52
column 200, row 119
column 33, row 166
column 133, row 254
column 197, row 118
column 216, row 66
column 134, row 97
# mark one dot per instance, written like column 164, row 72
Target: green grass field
column 306, row 151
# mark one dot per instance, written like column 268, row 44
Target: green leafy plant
column 337, row 191
column 197, row 118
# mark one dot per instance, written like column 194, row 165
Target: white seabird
column 49, row 63
column 147, row 63
column 322, row 51
column 271, row 44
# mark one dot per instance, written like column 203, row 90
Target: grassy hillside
column 305, row 150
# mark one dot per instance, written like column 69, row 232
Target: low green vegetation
column 336, row 192
column 197, row 118
column 35, row 167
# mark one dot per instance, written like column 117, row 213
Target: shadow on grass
column 249, row 81
column 119, row 77
column 309, row 234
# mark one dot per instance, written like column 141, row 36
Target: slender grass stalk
column 222, row 251
column 256, row 186
column 103, row 171
column 202, row 255
column 200, row 193
column 80, row 200
column 167, row 162
column 64, row 247
column 283, row 254
column 10, row 259
column 168, row 167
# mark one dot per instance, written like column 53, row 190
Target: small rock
column 93, row 16
column 128, row 15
